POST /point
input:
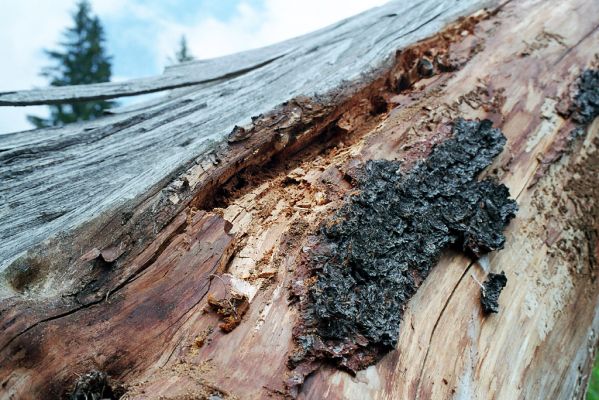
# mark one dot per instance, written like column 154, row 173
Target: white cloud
column 28, row 26
column 251, row 27
column 24, row 31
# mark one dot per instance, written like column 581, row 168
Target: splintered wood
column 231, row 257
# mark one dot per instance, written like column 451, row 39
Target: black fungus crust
column 95, row 385
column 489, row 293
column 383, row 242
column 586, row 101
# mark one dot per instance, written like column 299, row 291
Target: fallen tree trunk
column 181, row 283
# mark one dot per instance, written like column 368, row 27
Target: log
column 138, row 268
column 57, row 179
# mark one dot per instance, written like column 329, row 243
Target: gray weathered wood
column 188, row 74
column 158, row 235
column 54, row 180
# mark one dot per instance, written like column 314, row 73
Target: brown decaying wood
column 110, row 176
column 154, row 334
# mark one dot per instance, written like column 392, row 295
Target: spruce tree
column 183, row 53
column 82, row 60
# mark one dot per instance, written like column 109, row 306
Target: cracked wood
column 547, row 317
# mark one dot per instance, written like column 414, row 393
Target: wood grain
column 141, row 317
column 56, row 180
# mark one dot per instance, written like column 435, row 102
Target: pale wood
column 523, row 60
column 55, row 180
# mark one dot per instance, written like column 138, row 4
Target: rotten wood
column 136, row 307
column 56, row 180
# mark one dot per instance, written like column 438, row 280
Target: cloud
column 24, row 31
column 143, row 36
column 257, row 26
column 26, row 28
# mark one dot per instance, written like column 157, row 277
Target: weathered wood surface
column 141, row 315
column 186, row 74
column 57, row 179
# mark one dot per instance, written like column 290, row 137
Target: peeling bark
column 127, row 293
column 373, row 254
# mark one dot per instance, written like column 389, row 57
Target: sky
column 142, row 34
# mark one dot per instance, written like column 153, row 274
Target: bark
column 192, row 242
column 84, row 174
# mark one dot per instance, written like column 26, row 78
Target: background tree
column 82, row 60
column 183, row 53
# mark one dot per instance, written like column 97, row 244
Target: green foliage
column 183, row 53
column 593, row 391
column 82, row 60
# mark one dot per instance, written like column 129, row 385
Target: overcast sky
column 143, row 34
